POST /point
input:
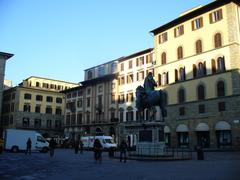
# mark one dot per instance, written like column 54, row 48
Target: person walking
column 52, row 145
column 81, row 146
column 29, row 146
column 97, row 147
column 123, row 151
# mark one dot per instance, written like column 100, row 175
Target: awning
column 182, row 128
column 202, row 127
column 222, row 125
column 166, row 129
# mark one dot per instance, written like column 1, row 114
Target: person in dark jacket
column 97, row 147
column 29, row 146
column 52, row 145
column 123, row 150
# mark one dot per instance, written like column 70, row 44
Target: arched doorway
column 223, row 134
column 202, row 132
column 183, row 137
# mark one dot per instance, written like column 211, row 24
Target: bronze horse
column 148, row 99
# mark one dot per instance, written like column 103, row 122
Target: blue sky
column 58, row 39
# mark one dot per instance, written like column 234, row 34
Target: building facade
column 36, row 103
column 91, row 109
column 197, row 65
column 3, row 58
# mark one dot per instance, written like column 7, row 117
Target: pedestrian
column 52, row 145
column 97, row 147
column 29, row 146
column 76, row 146
column 123, row 151
column 81, row 146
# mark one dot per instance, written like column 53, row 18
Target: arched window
column 198, row 46
column 37, row 84
column 221, row 64
column 217, row 40
column 176, row 75
column 220, row 89
column 213, row 66
column 165, row 78
column 181, row 95
column 201, row 69
column 159, row 80
column 164, row 58
column 182, row 74
column 194, row 71
column 180, row 52
column 201, row 92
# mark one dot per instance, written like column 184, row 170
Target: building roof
column 105, row 63
column 72, row 89
column 99, row 79
column 136, row 54
column 192, row 14
column 49, row 79
column 6, row 55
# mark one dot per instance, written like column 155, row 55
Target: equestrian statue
column 147, row 97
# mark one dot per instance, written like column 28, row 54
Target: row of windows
column 38, row 123
column 198, row 48
column 48, row 109
column 75, row 94
column 140, row 61
column 40, row 98
column 196, row 24
column 49, row 86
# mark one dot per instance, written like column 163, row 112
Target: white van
column 106, row 141
column 15, row 140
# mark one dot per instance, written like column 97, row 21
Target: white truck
column 15, row 140
column 106, row 141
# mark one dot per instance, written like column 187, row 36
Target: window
column 121, row 115
column 215, row 16
column 74, row 94
column 113, row 67
column 164, row 58
column 130, row 78
column 130, row 64
column 178, row 31
column 221, row 64
column 198, row 46
column 201, row 92
column 201, row 71
column 79, row 118
column 182, row 74
column 197, row 23
column 37, row 123
column 165, row 78
column 59, row 100
column 27, row 96
column 100, row 88
column 180, row 52
column 27, row 108
column 129, row 116
column 221, row 106
column 130, row 97
column 181, row 95
column 68, row 119
column 48, row 110
column 181, row 111
column 79, row 103
column 26, row 122
column 194, row 71
column 121, row 98
column 162, row 38
column 201, row 109
column 88, row 91
column 58, row 124
column 37, row 84
column 220, row 89
column 217, row 40
column 122, row 66
column 39, row 97
column 213, row 67
column 149, row 58
column 113, row 99
column 45, row 85
column 113, row 85
column 159, row 80
column 49, row 99
column 89, row 74
column 73, row 119
column 140, row 76
column 80, row 93
column 49, row 123
column 140, row 61
column 58, row 111
column 88, row 102
column 101, row 71
column 38, row 108
column 121, row 80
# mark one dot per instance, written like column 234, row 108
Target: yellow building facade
column 36, row 103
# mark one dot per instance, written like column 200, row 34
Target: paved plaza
column 67, row 165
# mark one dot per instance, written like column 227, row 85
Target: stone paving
column 67, row 165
